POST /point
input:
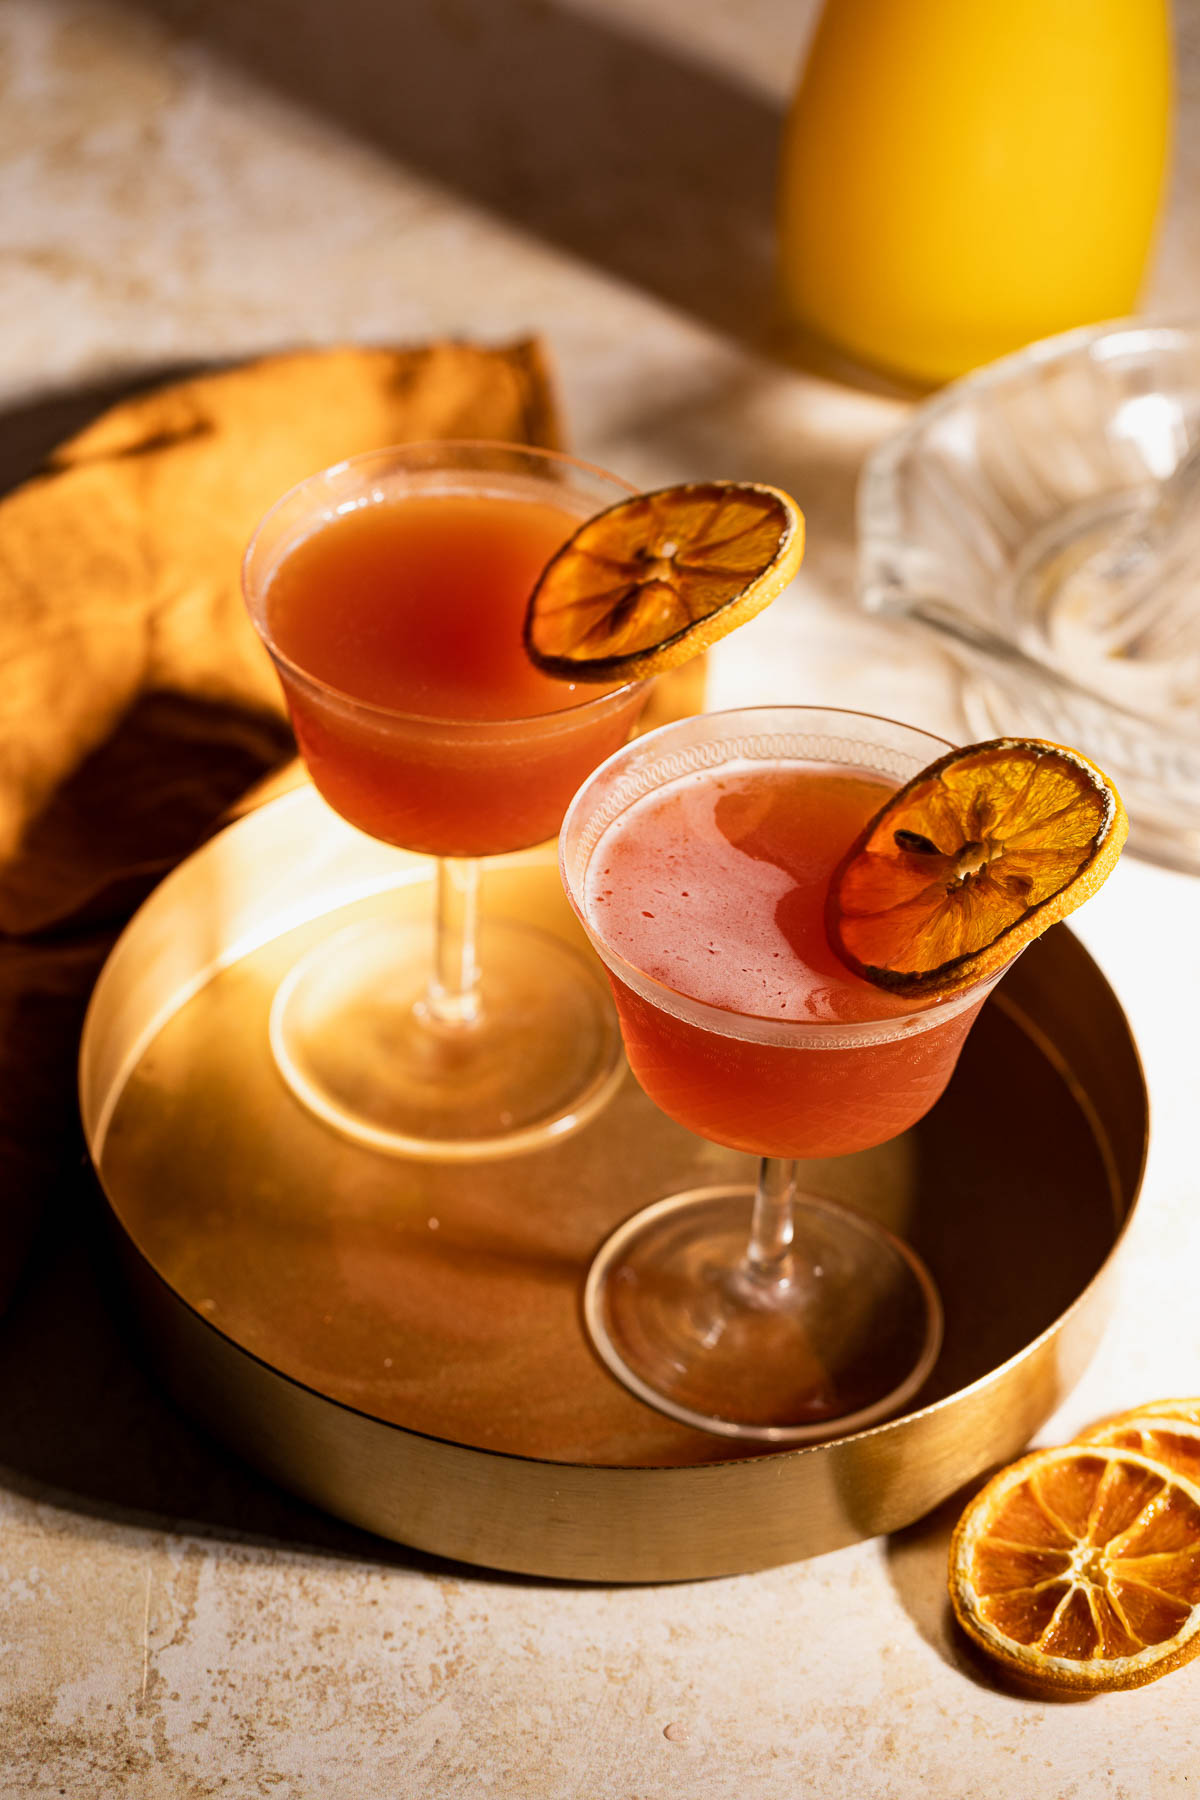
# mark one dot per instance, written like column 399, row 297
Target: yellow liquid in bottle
column 960, row 177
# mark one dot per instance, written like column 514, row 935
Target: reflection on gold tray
column 401, row 1342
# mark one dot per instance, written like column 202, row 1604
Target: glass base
column 355, row 1040
column 843, row 1338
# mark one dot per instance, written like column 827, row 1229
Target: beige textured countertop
column 185, row 181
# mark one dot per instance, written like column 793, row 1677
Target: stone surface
column 184, row 181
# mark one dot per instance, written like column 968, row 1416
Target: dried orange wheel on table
column 1077, row 1570
column 969, row 861
column 659, row 577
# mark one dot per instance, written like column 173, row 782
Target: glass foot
column 843, row 1337
column 354, row 1038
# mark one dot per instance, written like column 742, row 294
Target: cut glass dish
column 980, row 519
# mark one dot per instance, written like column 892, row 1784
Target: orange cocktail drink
column 714, row 888
column 699, row 860
column 396, row 629
column 391, row 593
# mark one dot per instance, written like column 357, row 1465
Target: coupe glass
column 462, row 1038
column 763, row 1313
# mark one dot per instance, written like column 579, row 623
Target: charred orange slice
column 969, row 861
column 1077, row 1570
column 659, row 577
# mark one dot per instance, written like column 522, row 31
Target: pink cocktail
column 756, row 845
column 699, row 860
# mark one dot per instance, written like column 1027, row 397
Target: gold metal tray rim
column 1051, row 1361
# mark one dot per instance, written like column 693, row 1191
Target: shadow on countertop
column 651, row 164
column 605, row 144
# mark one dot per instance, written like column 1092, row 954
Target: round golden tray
column 400, row 1342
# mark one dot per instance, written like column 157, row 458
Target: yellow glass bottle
column 959, row 177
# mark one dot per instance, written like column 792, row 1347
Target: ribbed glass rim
column 426, row 456
column 832, row 735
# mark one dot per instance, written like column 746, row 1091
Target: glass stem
column 769, row 1251
column 453, row 997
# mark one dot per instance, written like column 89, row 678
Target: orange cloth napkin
column 137, row 704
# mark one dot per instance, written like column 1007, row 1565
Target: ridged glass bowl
column 972, row 517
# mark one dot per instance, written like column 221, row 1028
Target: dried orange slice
column 659, row 577
column 969, row 861
column 1077, row 1570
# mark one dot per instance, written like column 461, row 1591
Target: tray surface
column 444, row 1300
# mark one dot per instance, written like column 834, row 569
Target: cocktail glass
column 495, row 1036
column 757, row 1313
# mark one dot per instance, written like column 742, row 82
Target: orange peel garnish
column 969, row 861
column 655, row 579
